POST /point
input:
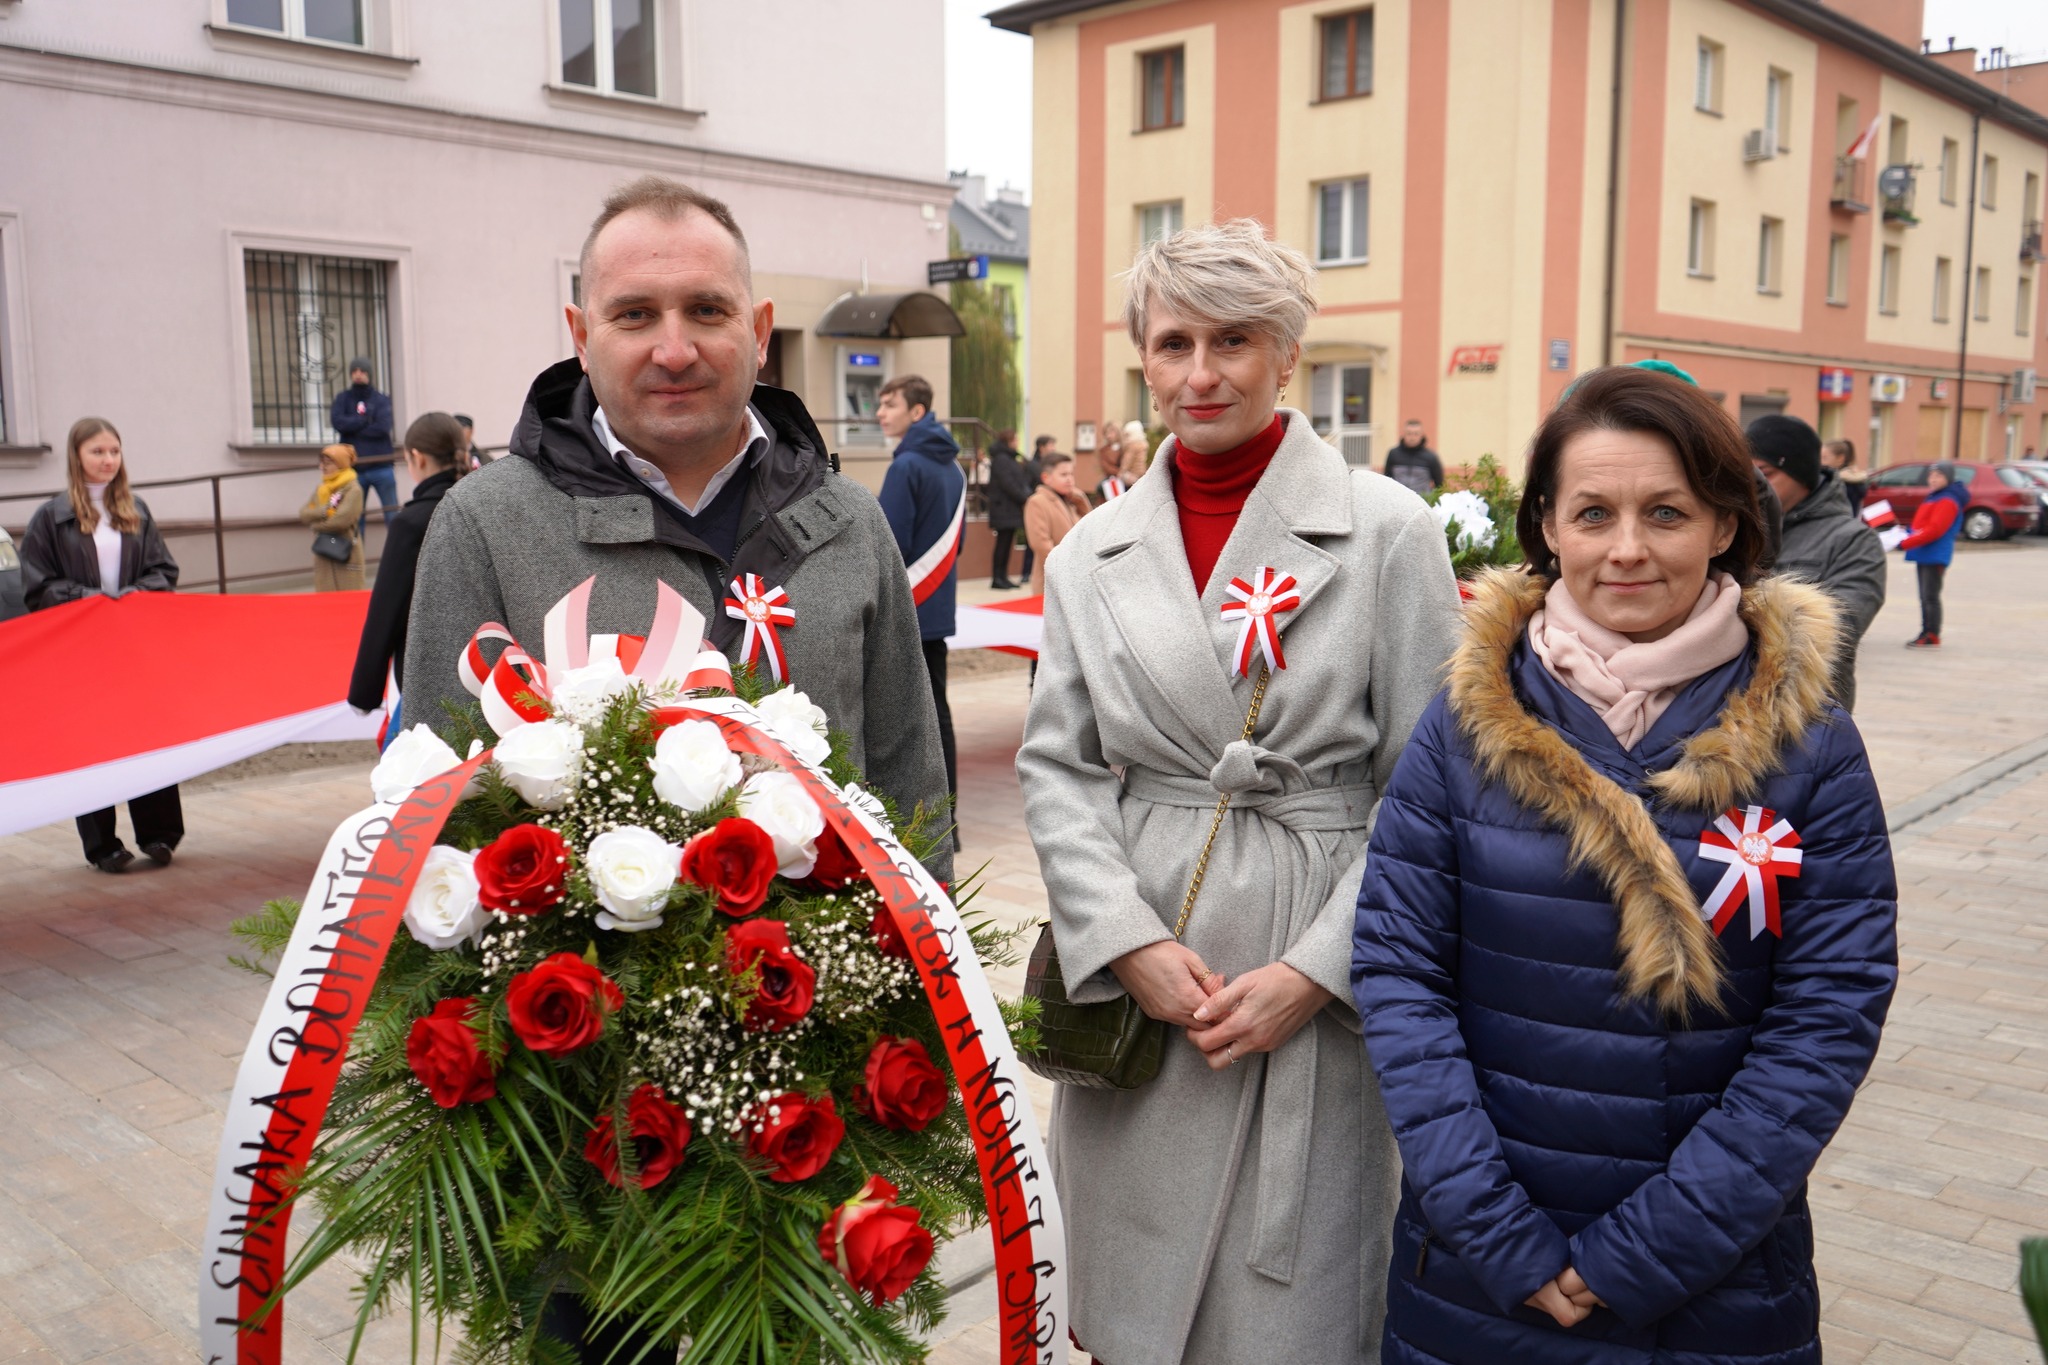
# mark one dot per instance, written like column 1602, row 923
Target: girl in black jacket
column 435, row 453
column 97, row 538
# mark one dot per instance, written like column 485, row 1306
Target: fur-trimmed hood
column 1668, row 952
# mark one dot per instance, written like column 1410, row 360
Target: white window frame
column 17, row 354
column 1770, row 255
column 375, row 26
column 1838, row 269
column 1777, row 107
column 1699, row 239
column 1944, row 285
column 1706, row 76
column 399, row 314
column 606, row 86
column 1172, row 215
column 1351, row 191
column 1889, row 263
column 1980, row 301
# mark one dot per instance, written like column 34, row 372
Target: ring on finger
column 1230, row 1051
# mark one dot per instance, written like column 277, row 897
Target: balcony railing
column 2030, row 240
column 1895, row 194
column 1849, row 193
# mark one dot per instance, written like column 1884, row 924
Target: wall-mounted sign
column 864, row 360
column 1887, row 388
column 1474, row 359
column 1937, row 388
column 956, row 268
column 1836, row 383
column 1084, row 437
column 1560, row 354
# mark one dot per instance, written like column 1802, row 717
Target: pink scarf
column 1628, row 684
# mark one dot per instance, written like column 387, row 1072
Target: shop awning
column 890, row 315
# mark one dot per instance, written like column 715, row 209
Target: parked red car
column 2034, row 471
column 2003, row 501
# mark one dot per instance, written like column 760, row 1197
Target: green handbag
column 1113, row 1044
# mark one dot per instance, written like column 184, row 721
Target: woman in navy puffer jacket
column 1609, row 1063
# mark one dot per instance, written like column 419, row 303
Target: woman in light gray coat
column 1237, row 1206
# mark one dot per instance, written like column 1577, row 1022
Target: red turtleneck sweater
column 1210, row 490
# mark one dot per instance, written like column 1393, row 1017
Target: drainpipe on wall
column 1613, row 183
column 1969, row 284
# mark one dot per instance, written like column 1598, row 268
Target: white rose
column 632, row 870
column 542, row 760
column 1469, row 514
column 863, row 800
column 410, row 759
column 692, row 767
column 798, row 722
column 584, row 694
column 778, row 803
column 443, row 911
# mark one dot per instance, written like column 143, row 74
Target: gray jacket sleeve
column 455, row 590
column 1856, row 581
column 900, row 729
column 1415, row 627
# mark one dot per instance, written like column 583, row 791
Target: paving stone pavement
column 121, row 1023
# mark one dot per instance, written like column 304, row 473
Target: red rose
column 523, row 871
column 661, row 1134
column 888, row 938
column 443, row 1054
column 560, row 1005
column 876, row 1243
column 784, row 995
column 734, row 860
column 903, row 1089
column 836, row 864
column 795, row 1135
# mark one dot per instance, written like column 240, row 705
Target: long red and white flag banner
column 1024, row 1216
column 317, row 997
column 928, row 571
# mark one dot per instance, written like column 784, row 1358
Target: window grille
column 625, row 61
column 308, row 317
column 1343, row 220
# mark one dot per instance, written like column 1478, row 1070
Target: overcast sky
column 988, row 74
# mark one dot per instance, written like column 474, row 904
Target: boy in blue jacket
column 1931, row 546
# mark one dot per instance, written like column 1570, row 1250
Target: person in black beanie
column 1822, row 541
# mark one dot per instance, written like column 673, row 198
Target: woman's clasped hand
column 1256, row 1012
column 1566, row 1299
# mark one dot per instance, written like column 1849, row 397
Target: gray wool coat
column 1243, row 1214
column 1831, row 547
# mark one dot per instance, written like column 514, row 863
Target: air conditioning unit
column 1759, row 145
column 1887, row 388
column 2023, row 386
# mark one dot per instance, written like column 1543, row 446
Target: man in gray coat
column 655, row 455
column 1823, row 542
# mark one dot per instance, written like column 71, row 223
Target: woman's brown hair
column 437, row 436
column 1710, row 447
column 121, row 513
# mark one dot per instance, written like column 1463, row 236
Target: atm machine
column 861, row 373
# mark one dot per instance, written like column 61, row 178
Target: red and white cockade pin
column 1759, row 848
column 763, row 607
column 1256, row 607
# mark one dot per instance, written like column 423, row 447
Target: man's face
column 1411, row 434
column 1790, row 491
column 1059, row 478
column 896, row 416
column 358, row 376
column 670, row 334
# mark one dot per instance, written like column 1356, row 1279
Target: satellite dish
column 1895, row 181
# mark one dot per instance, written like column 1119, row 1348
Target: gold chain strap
column 1251, row 721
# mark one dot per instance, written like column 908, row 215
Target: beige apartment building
column 1790, row 200
column 208, row 206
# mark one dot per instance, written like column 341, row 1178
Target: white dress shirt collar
column 757, row 444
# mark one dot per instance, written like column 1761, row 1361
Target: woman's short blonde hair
column 1225, row 275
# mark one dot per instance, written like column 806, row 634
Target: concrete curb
column 1971, row 780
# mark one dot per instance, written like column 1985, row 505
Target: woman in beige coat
column 335, row 509
column 1236, row 1207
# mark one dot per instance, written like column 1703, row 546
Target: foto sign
column 956, row 268
column 1836, row 383
column 1474, row 360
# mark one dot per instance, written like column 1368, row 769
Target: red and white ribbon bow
column 1256, row 607
column 763, row 607
column 514, row 689
column 1758, row 850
